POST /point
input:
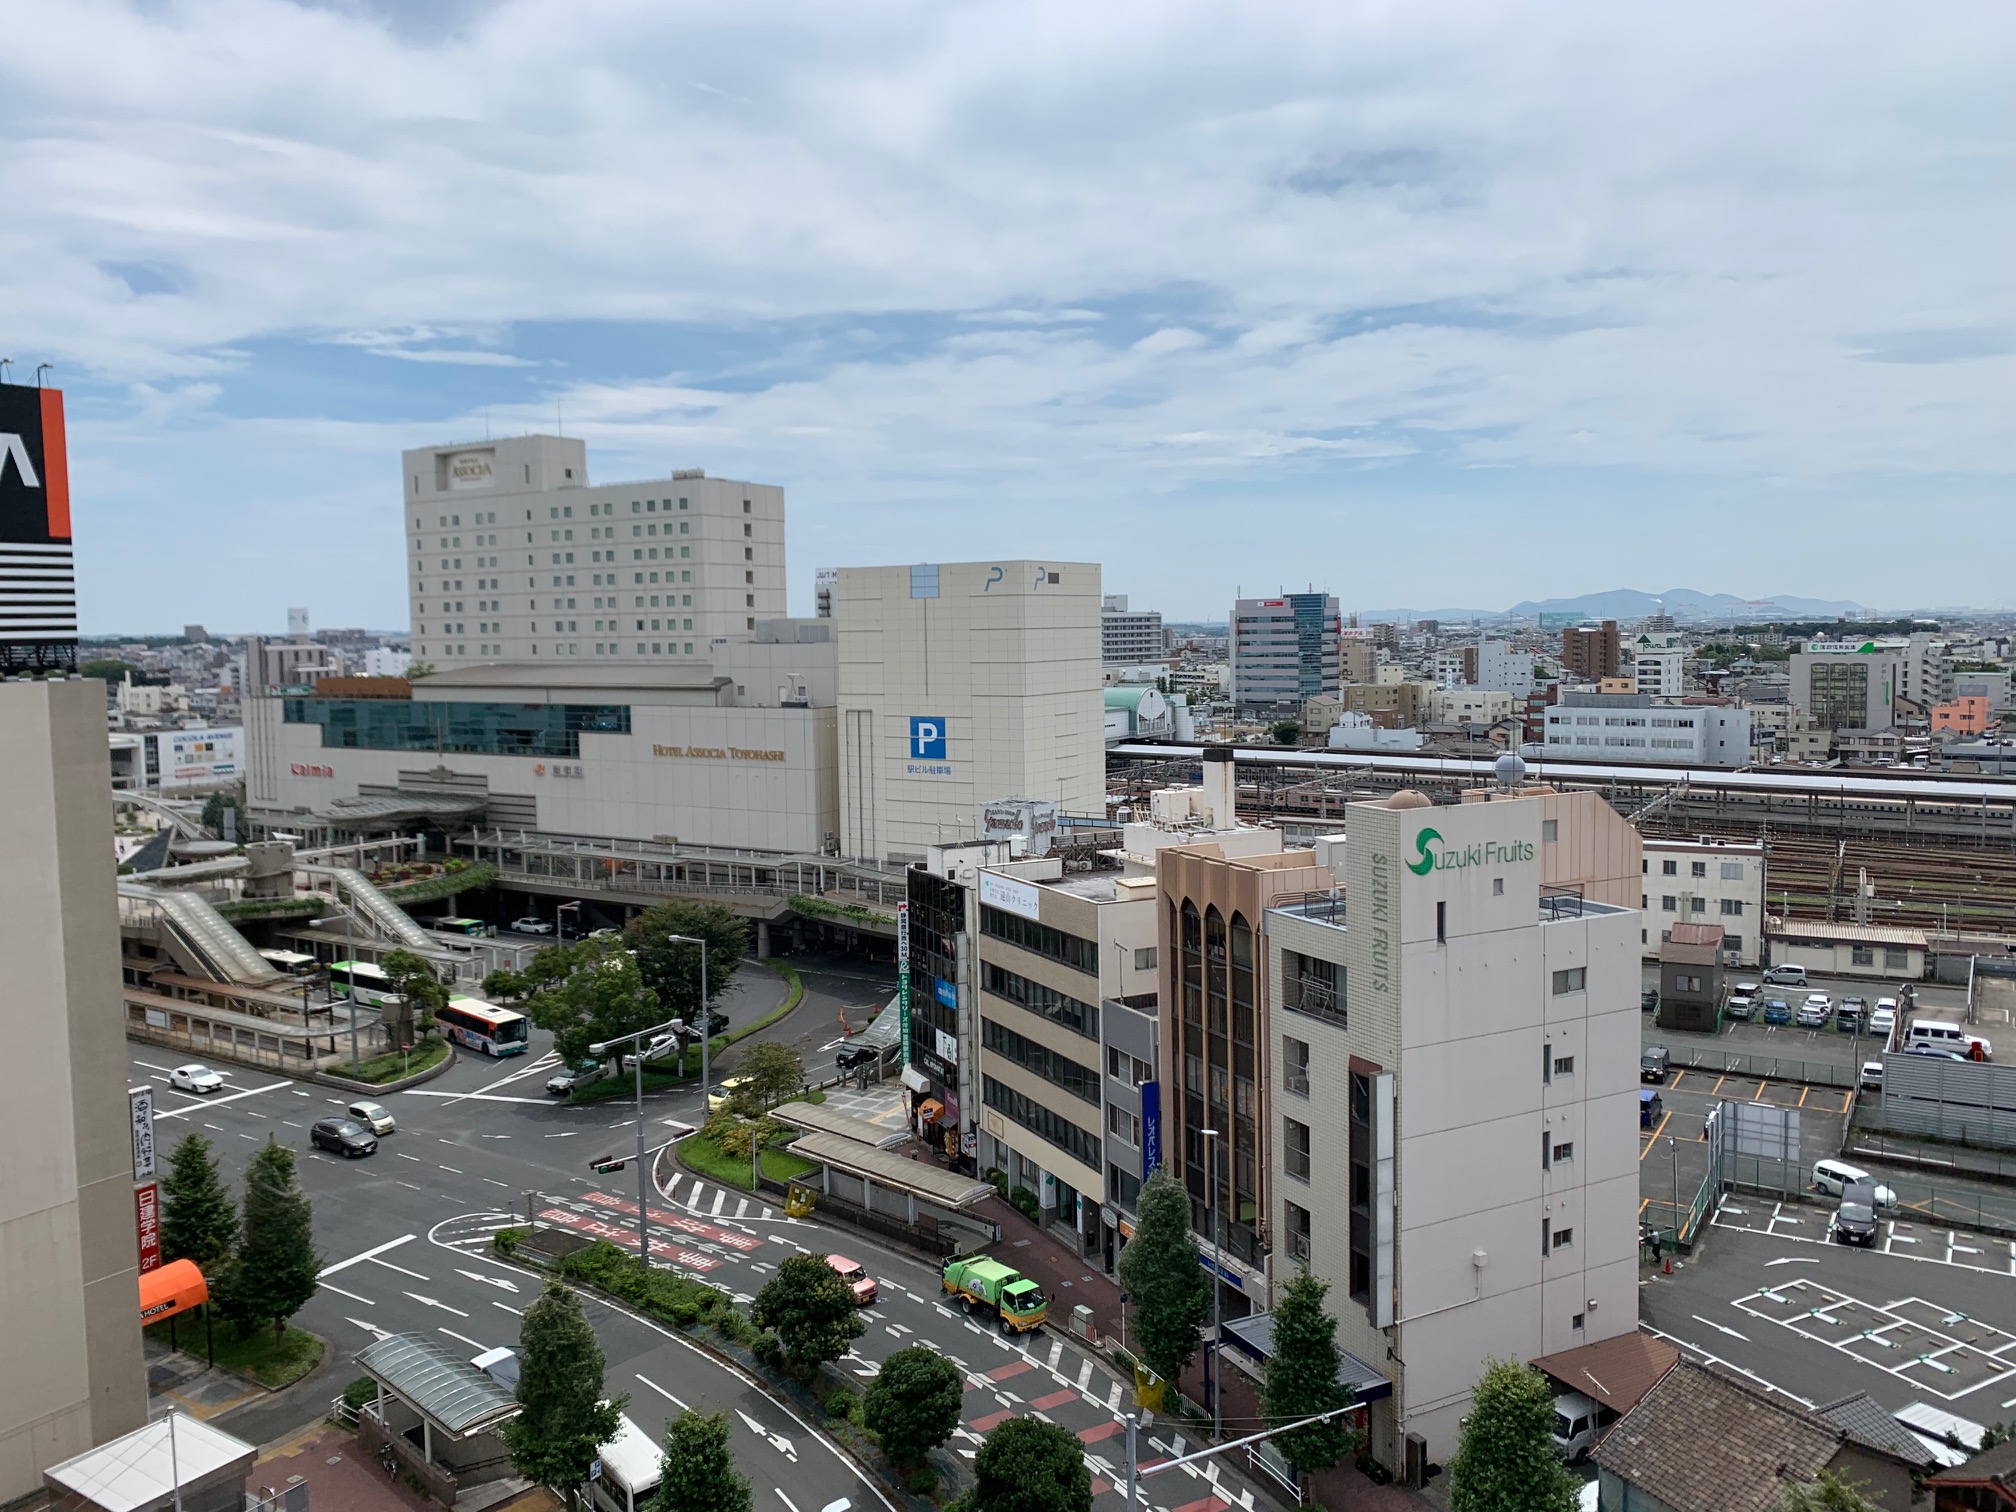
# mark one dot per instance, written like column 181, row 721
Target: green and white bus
column 477, row 1025
column 366, row 982
column 476, row 929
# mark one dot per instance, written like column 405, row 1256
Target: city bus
column 477, row 1025
column 368, row 983
column 475, row 928
column 292, row 962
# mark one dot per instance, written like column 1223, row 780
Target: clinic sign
column 1432, row 855
column 926, row 755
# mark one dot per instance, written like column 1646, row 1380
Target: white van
column 1787, row 975
column 630, row 1465
column 1835, row 1176
column 1578, row 1422
column 1940, row 1035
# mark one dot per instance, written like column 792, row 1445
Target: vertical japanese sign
column 1151, row 1127
column 142, row 1101
column 147, row 1220
column 903, row 977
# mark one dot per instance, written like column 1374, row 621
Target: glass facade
column 486, row 729
column 937, row 916
column 1218, row 1056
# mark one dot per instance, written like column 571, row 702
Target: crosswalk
column 704, row 1199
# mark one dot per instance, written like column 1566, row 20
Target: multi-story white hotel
column 1453, row 1074
column 512, row 556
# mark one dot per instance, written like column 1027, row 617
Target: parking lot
column 1673, row 1154
column 1925, row 1316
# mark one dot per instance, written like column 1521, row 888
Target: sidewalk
column 341, row 1479
column 1049, row 1257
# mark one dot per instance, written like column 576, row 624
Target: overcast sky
column 1426, row 304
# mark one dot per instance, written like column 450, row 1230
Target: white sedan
column 532, row 926
column 193, row 1078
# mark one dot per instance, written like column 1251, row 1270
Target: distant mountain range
column 1633, row 603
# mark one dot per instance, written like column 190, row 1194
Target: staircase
column 379, row 913
column 202, row 939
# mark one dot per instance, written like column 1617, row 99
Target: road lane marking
column 330, row 1286
column 537, row 1102
column 370, row 1254
column 400, row 1268
column 462, row 1338
column 432, row 1302
column 217, row 1102
column 404, row 1156
column 451, row 1170
column 515, row 1312
column 664, row 1393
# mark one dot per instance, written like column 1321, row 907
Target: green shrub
column 506, row 1240
column 735, row 1327
column 844, row 1405
column 360, row 1393
column 659, row 1294
column 1024, row 1202
column 768, row 1350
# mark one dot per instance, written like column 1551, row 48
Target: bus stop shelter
column 440, row 1414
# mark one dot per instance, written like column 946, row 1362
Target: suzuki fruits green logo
column 1447, row 858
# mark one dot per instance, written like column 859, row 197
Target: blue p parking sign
column 927, row 737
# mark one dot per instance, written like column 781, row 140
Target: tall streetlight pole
column 706, row 1019
column 1212, row 1360
column 350, row 986
column 636, row 1043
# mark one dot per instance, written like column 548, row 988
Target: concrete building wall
column 1005, row 656
column 1704, row 882
column 70, row 1367
column 512, row 555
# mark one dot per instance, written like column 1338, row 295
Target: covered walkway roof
column 888, row 1169
column 815, row 1118
column 1254, row 1336
column 453, row 1395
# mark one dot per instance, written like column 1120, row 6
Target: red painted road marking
column 1208, row 1504
column 1009, row 1371
column 1100, row 1487
column 990, row 1422
column 679, row 1221
column 1103, row 1431
column 1055, row 1399
column 596, row 1228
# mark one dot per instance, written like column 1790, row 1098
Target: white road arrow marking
column 776, row 1441
column 1792, row 1260
column 510, row 1286
column 376, row 1333
column 430, row 1302
column 837, row 1506
column 1720, row 1329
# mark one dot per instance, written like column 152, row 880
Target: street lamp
column 559, row 931
column 1213, row 1360
column 706, row 1019
column 350, row 985
column 636, row 1043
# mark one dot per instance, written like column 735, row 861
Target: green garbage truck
column 996, row 1290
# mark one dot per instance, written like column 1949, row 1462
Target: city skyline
column 1580, row 290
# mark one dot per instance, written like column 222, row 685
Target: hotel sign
column 717, row 753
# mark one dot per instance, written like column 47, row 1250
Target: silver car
column 195, row 1078
column 374, row 1116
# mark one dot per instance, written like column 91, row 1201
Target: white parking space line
column 150, row 1065
column 216, row 1102
column 370, row 1254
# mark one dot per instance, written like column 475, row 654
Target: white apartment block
column 1659, row 663
column 1468, row 706
column 1629, row 727
column 1503, row 667
column 512, row 556
column 960, row 684
column 1705, row 882
column 1454, row 1048
column 1130, row 637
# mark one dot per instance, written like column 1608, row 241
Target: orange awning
column 929, row 1109
column 170, row 1289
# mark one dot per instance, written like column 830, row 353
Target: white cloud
column 1736, row 248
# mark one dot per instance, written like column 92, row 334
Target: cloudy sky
column 1426, row 304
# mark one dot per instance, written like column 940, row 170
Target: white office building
column 1504, row 668
column 1659, row 663
column 1705, row 882
column 1454, row 1074
column 1285, row 651
column 513, row 556
column 1629, row 727
column 959, row 684
column 1130, row 637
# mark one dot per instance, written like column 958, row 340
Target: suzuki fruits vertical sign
column 38, row 584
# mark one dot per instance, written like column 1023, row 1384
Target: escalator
column 379, row 913
column 202, row 939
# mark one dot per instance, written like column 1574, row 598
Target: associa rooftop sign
column 1434, row 855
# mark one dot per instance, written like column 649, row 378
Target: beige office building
column 512, row 556
column 71, row 1375
column 963, row 683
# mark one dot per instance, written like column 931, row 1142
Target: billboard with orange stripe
column 38, row 587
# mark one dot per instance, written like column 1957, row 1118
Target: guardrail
column 1764, row 1067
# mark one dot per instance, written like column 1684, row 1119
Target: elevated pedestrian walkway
column 376, row 912
column 198, row 936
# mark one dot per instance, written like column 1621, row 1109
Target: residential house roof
column 1616, row 1372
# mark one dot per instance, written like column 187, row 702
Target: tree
column 199, row 1221
column 602, row 997
column 1826, row 1492
column 213, row 816
column 912, row 1405
column 420, row 996
column 1160, row 1270
column 562, row 1419
column 672, row 970
column 1505, row 1461
column 1028, row 1465
column 110, row 668
column 275, row 1271
column 698, row 1471
column 812, row 1311
column 1301, row 1378
column 1285, row 731
column 770, row 1072
column 417, row 670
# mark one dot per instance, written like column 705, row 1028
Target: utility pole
column 1135, row 1474
column 706, row 1018
column 349, row 987
column 636, row 1043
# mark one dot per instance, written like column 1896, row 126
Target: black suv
column 1855, row 1220
column 345, row 1136
column 854, row 1057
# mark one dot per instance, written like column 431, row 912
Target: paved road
column 405, row 1236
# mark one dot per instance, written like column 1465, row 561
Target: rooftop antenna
column 40, row 369
column 5, row 363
